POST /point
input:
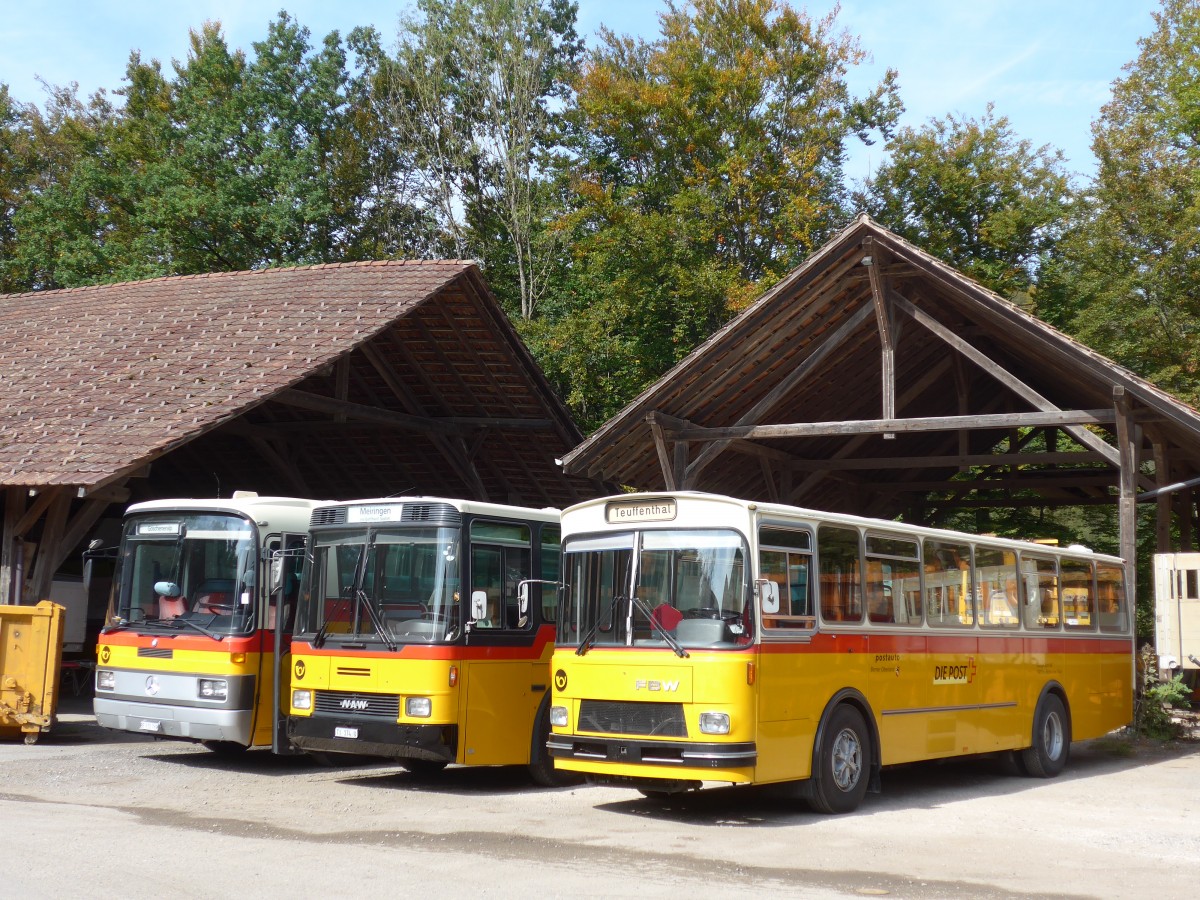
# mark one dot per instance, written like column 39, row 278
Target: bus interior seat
column 171, row 607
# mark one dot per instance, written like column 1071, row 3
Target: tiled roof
column 97, row 380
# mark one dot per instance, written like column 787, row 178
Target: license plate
column 344, row 732
column 150, row 726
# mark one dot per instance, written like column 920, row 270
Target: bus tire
column 422, row 768
column 541, row 764
column 1051, row 739
column 842, row 767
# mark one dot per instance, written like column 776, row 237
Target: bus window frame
column 857, row 586
column 918, row 570
column 779, row 624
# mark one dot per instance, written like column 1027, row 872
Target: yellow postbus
column 188, row 651
column 703, row 638
column 425, row 633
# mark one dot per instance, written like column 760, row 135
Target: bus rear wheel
column 843, row 764
column 1051, row 739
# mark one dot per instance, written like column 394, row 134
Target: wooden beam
column 781, row 390
column 15, row 497
column 883, row 320
column 46, row 561
column 880, row 426
column 665, row 461
column 332, row 406
column 1127, row 509
column 1018, row 387
column 938, row 462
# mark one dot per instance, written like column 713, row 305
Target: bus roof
column 474, row 507
column 783, row 511
column 246, row 504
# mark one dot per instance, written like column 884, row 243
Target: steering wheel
column 220, row 609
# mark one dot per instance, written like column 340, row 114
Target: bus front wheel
column 843, row 764
column 1051, row 739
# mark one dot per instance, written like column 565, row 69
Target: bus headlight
column 106, row 680
column 301, row 699
column 418, row 707
column 714, row 723
column 212, row 688
column 558, row 716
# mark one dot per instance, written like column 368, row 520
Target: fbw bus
column 189, row 649
column 425, row 633
column 703, row 638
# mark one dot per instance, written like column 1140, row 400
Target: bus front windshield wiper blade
column 589, row 637
column 672, row 641
column 180, row 622
column 376, row 622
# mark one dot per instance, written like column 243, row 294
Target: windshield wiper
column 376, row 622
column 323, row 631
column 585, row 642
column 179, row 623
column 672, row 641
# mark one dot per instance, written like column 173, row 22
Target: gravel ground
column 116, row 815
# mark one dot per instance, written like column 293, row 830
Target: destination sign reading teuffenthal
column 640, row 511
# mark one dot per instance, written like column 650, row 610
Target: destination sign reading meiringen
column 641, row 511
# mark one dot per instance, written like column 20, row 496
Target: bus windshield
column 188, row 572
column 388, row 585
column 682, row 588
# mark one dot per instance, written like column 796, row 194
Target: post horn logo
column 560, row 680
column 299, row 669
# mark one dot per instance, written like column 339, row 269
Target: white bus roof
column 474, row 507
column 781, row 512
column 257, row 508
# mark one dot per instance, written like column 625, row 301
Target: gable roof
column 99, row 381
column 810, row 351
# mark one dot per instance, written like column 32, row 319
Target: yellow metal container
column 31, row 640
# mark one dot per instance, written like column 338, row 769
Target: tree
column 973, row 194
column 233, row 163
column 474, row 90
column 707, row 163
column 1128, row 283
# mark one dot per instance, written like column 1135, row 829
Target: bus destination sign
column 662, row 510
column 380, row 513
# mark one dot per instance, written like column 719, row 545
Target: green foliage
column 973, row 194
column 1128, row 281
column 707, row 163
column 1153, row 712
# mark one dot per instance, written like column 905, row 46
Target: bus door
column 286, row 560
column 897, row 677
column 500, row 673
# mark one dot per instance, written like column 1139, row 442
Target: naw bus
column 703, row 638
column 417, row 639
column 189, row 650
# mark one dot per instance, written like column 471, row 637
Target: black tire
column 423, row 768
column 541, row 764
column 842, row 768
column 226, row 748
column 1051, row 739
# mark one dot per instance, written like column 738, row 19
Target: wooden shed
column 878, row 380
column 331, row 381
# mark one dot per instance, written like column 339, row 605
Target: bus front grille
column 342, row 703
column 614, row 717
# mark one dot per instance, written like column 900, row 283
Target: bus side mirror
column 276, row 573
column 768, row 594
column 168, row 589
column 479, row 604
column 523, row 598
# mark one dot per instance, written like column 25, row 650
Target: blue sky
column 1046, row 64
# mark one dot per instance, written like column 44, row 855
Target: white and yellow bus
column 190, row 647
column 425, row 634
column 703, row 638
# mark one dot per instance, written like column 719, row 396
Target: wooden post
column 1127, row 502
column 14, row 508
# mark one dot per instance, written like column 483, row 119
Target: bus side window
column 785, row 560
column 499, row 563
column 551, row 562
column 1110, row 588
column 840, row 576
column 1078, row 596
column 948, row 585
column 1040, row 577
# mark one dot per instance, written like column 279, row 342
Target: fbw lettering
column 656, row 685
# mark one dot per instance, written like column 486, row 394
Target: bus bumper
column 390, row 740
column 629, row 757
column 187, row 723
